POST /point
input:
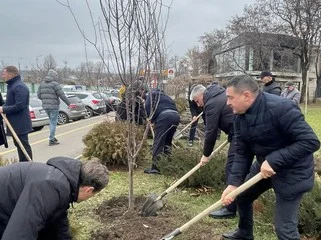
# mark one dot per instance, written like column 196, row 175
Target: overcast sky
column 32, row 29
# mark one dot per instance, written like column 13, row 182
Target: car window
column 97, row 95
column 80, row 95
column 34, row 102
column 74, row 99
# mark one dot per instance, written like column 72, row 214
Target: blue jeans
column 53, row 117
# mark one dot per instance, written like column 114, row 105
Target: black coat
column 16, row 107
column 217, row 116
column 274, row 129
column 272, row 87
column 35, row 198
column 139, row 115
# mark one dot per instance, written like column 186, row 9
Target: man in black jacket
column 217, row 116
column 270, row 85
column 274, row 130
column 35, row 196
column 162, row 112
column 3, row 137
column 16, row 109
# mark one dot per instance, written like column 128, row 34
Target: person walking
column 217, row 116
column 291, row 92
column 50, row 92
column 35, row 196
column 270, row 85
column 16, row 109
column 162, row 112
column 274, row 131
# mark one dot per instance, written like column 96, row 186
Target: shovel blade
column 151, row 207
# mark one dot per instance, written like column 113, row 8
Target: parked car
column 75, row 111
column 38, row 115
column 94, row 103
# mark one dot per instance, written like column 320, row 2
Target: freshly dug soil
column 124, row 225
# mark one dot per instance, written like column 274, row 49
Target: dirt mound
column 120, row 224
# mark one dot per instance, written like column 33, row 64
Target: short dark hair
column 13, row 70
column 243, row 83
column 266, row 74
column 94, row 174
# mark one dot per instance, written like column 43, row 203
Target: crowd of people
column 265, row 127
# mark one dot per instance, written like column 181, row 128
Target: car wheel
column 89, row 112
column 37, row 128
column 62, row 118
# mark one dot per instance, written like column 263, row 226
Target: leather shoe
column 222, row 213
column 236, row 235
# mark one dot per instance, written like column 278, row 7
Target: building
column 251, row 53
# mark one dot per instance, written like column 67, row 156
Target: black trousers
column 165, row 128
column 285, row 213
column 25, row 142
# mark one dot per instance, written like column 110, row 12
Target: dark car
column 110, row 101
column 75, row 111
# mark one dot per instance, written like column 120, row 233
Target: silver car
column 38, row 115
column 94, row 104
column 75, row 111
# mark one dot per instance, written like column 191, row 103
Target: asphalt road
column 69, row 135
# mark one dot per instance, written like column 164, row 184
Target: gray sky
column 32, row 29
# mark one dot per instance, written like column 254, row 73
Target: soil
column 121, row 224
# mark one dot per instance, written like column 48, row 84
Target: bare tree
column 303, row 17
column 128, row 37
column 40, row 70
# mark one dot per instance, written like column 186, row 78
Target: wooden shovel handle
column 258, row 177
column 194, row 169
column 16, row 137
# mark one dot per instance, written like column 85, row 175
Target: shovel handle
column 194, row 169
column 258, row 177
column 16, row 137
column 180, row 132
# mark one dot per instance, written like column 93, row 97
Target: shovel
column 216, row 205
column 16, row 137
column 154, row 203
column 179, row 134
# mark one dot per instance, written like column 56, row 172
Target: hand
column 204, row 160
column 194, row 119
column 227, row 200
column 266, row 170
column 1, row 110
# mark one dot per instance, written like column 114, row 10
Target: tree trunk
column 131, row 199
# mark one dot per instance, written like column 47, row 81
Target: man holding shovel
column 16, row 109
column 217, row 116
column 273, row 130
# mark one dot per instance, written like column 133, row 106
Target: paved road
column 69, row 135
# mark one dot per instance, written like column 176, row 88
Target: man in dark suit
column 273, row 130
column 16, row 109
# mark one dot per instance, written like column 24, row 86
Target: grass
column 83, row 219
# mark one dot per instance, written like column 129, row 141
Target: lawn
column 181, row 206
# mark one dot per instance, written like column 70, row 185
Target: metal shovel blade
column 151, row 207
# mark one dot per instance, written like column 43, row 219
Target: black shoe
column 222, row 213
column 151, row 171
column 53, row 142
column 237, row 235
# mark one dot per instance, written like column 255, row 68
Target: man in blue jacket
column 35, row 196
column 16, row 109
column 274, row 130
column 217, row 116
column 162, row 112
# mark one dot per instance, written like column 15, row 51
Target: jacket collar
column 13, row 80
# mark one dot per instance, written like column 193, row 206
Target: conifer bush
column 181, row 104
column 184, row 159
column 107, row 142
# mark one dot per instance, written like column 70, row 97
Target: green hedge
column 184, row 159
column 107, row 142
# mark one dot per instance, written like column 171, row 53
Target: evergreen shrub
column 107, row 142
column 181, row 104
column 184, row 159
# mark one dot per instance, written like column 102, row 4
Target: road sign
column 171, row 73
